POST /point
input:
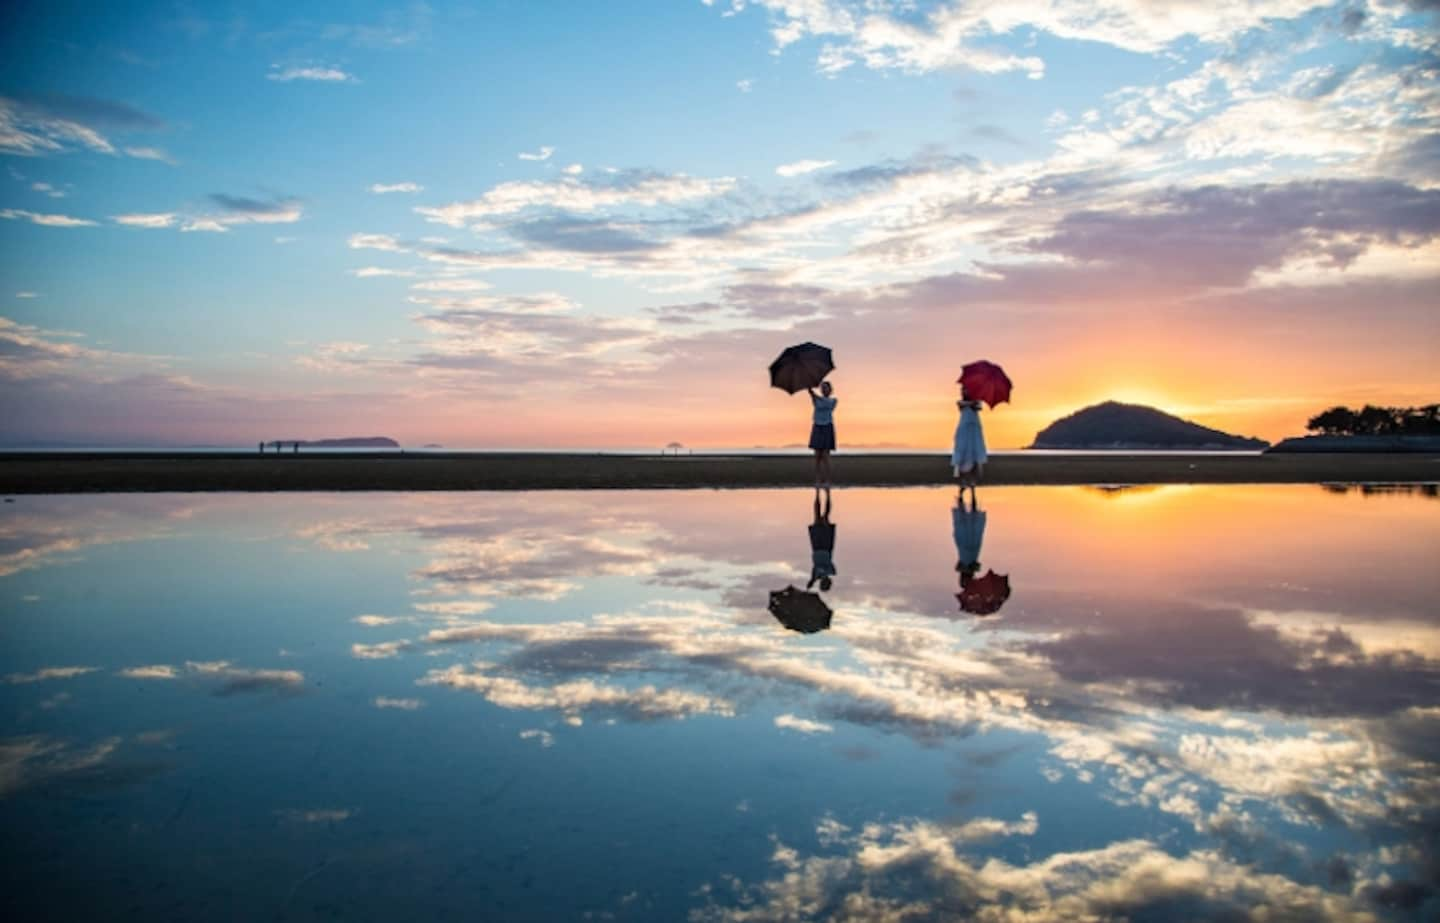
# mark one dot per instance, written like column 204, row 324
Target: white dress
column 969, row 448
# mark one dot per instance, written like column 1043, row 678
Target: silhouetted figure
column 295, row 449
column 262, row 448
column 968, row 456
column 822, row 545
column 822, row 431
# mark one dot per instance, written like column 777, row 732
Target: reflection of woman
column 969, row 455
column 822, row 545
column 969, row 526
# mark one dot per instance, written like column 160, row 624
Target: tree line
column 1378, row 421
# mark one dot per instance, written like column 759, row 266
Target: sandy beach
column 32, row 473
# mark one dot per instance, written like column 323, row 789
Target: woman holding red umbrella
column 980, row 383
column 968, row 457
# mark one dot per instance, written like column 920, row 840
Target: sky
column 595, row 225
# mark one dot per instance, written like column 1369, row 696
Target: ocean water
column 1141, row 703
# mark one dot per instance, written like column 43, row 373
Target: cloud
column 317, row 74
column 45, row 220
column 27, row 294
column 47, row 673
column 49, row 190
column 745, row 86
column 382, row 188
column 141, row 220
column 155, row 671
column 546, row 739
column 801, row 167
column 803, row 725
column 38, row 125
column 635, row 187
column 370, row 272
column 575, row 698
column 921, row 870
column 401, row 704
column 573, row 169
column 543, row 154
column 234, row 680
column 150, row 153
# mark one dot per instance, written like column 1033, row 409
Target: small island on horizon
column 346, row 442
column 1115, row 426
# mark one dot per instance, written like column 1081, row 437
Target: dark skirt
column 822, row 437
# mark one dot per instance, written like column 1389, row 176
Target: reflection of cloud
column 45, row 673
column 383, row 701
column 155, row 671
column 918, row 870
column 803, row 725
column 316, row 815
column 232, row 680
column 44, row 763
column 640, row 703
column 546, row 739
column 379, row 651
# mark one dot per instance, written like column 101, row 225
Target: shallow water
column 1194, row 701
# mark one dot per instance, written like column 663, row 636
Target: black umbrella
column 800, row 611
column 800, row 367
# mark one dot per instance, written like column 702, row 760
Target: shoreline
column 184, row 472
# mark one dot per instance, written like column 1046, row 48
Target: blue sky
column 614, row 206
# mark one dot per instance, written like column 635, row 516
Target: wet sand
column 29, row 473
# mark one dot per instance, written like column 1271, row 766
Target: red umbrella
column 985, row 381
column 983, row 595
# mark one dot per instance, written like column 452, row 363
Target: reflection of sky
column 1196, row 700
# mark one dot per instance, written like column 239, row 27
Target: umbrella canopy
column 983, row 595
column 800, row 611
column 985, row 381
column 800, row 367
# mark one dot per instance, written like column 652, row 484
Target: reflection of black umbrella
column 800, row 611
column 800, row 367
column 983, row 595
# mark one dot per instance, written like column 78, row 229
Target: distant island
column 349, row 442
column 1369, row 429
column 1113, row 425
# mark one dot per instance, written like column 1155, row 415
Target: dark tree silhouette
column 1377, row 421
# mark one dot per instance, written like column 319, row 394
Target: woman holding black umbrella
column 802, row 368
column 822, row 431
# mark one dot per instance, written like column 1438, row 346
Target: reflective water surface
column 1144, row 704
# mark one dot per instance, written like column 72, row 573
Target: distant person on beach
column 822, row 545
column 968, row 456
column 822, row 431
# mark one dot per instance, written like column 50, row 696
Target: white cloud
column 320, row 74
column 49, row 221
column 376, row 242
column 401, row 704
column 155, row 671
column 370, row 272
column 574, row 169
column 451, row 285
column 27, row 294
column 745, row 86
column 47, row 673
column 141, row 220
column 375, row 621
column 49, row 190
column 150, row 153
column 383, row 188
column 575, row 195
column 803, row 725
column 801, row 167
column 547, row 740
column 204, row 224
column 542, row 154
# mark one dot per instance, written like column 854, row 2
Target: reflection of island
column 1113, row 425
column 978, row 595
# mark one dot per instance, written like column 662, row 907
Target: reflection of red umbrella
column 985, row 381
column 983, row 595
column 800, row 367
